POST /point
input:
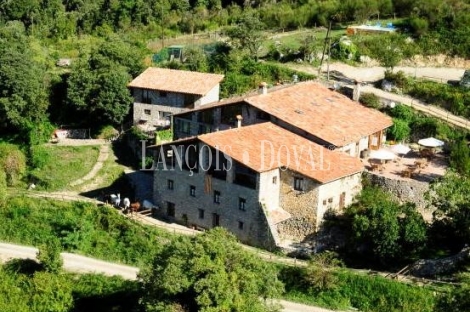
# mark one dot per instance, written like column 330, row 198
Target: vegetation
column 362, row 292
column 57, row 166
column 80, row 227
column 383, row 230
column 450, row 196
column 208, row 272
column 25, row 287
column 12, row 163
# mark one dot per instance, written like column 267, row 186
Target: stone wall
column 197, row 209
column 404, row 191
column 302, row 205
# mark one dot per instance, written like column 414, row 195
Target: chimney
column 239, row 121
column 356, row 91
column 263, row 88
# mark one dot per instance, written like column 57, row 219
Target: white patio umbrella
column 382, row 154
column 430, row 142
column 400, row 149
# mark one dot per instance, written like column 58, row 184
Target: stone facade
column 155, row 107
column 203, row 201
column 302, row 205
column 308, row 207
column 404, row 191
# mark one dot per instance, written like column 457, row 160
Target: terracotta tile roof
column 322, row 112
column 180, row 81
column 258, row 146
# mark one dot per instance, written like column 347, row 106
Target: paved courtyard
column 410, row 166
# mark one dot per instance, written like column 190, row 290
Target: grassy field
column 360, row 292
column 58, row 166
column 80, row 227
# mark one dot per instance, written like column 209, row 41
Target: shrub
column 400, row 130
column 107, row 133
column 460, row 157
column 13, row 162
column 370, row 100
column 49, row 256
column 3, row 187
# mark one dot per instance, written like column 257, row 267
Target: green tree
column 388, row 231
column 50, row 292
column 23, row 96
column 196, row 60
column 49, row 256
column 451, row 197
column 247, row 34
column 208, row 272
column 97, row 86
column 319, row 274
column 460, row 157
column 400, row 130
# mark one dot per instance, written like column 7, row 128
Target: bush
column 107, row 133
column 400, row 130
column 13, row 163
column 3, row 187
column 370, row 100
column 49, row 256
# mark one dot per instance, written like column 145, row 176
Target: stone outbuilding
column 160, row 92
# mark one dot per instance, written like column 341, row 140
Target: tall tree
column 208, row 272
column 451, row 198
column 97, row 85
column 385, row 230
column 23, row 96
column 248, row 34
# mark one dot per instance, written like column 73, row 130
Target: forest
column 108, row 43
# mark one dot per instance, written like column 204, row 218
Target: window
column 192, row 191
column 170, row 209
column 183, row 126
column 170, row 184
column 215, row 220
column 147, row 112
column 201, row 213
column 146, row 97
column 217, row 197
column 241, row 203
column 298, row 184
column 163, row 94
column 274, row 180
column 240, row 225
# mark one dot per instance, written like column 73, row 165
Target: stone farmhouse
column 262, row 182
column 308, row 109
column 159, row 92
column 266, row 165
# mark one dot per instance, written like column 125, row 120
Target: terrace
column 418, row 164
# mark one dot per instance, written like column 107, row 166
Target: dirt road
column 374, row 73
column 81, row 264
column 72, row 262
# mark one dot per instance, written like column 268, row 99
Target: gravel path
column 102, row 157
column 81, row 264
column 374, row 73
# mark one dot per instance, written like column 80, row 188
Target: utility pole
column 327, row 39
column 163, row 33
